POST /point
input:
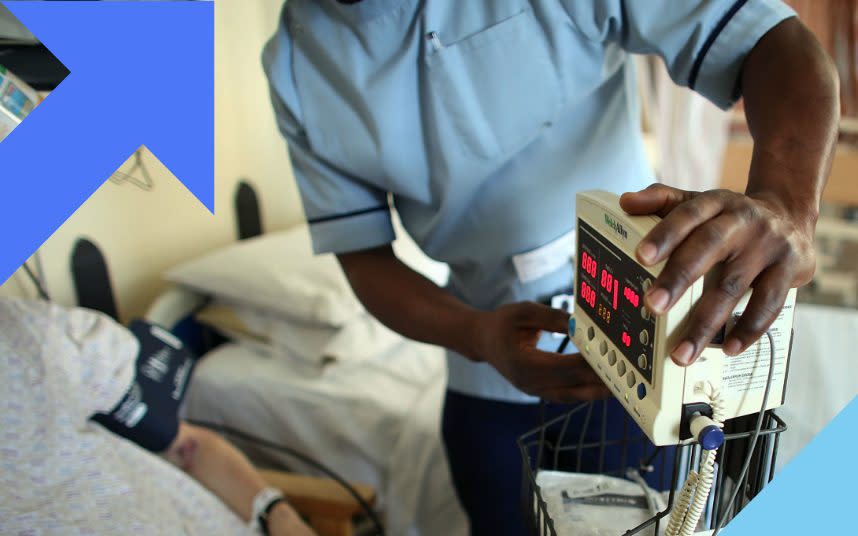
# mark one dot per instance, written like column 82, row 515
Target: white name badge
column 545, row 259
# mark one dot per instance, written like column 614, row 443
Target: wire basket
column 571, row 443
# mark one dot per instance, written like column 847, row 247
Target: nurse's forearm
column 505, row 338
column 762, row 240
column 792, row 104
column 407, row 302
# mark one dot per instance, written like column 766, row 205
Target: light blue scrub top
column 480, row 120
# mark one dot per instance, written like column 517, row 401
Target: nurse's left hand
column 761, row 244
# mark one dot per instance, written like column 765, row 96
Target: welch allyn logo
column 617, row 227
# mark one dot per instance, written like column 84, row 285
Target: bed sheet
column 374, row 420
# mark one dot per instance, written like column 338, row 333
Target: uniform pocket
column 497, row 88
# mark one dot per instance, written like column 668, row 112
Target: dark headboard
column 247, row 211
column 92, row 278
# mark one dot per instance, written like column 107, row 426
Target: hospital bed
column 369, row 408
column 358, row 397
column 373, row 419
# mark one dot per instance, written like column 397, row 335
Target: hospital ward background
column 331, row 407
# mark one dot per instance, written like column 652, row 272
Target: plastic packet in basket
column 597, row 505
column 17, row 100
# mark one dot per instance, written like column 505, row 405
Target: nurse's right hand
column 506, row 338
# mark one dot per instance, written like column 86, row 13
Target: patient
column 61, row 472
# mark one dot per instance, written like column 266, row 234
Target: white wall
column 143, row 233
column 247, row 139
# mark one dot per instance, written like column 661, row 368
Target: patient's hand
column 284, row 521
column 224, row 470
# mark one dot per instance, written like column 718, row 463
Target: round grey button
column 612, row 358
column 642, row 362
column 644, row 337
column 631, row 380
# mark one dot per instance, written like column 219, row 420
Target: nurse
column 479, row 121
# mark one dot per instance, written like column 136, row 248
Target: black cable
column 563, row 344
column 36, row 282
column 379, row 528
column 560, row 349
column 747, row 464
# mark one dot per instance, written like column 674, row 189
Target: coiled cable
column 695, row 492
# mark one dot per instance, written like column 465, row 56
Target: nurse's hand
column 759, row 241
column 506, row 338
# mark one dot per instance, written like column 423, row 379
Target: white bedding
column 374, row 420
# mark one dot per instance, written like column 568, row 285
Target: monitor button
column 612, row 358
column 631, row 380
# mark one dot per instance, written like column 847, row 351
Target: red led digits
column 588, row 264
column 627, row 340
column 632, row 296
column 610, row 284
column 616, row 292
column 588, row 294
column 607, row 280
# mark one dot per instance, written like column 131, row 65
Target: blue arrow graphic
column 142, row 73
column 815, row 492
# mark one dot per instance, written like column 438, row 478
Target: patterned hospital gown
column 60, row 473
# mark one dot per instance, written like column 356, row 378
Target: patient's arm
column 221, row 468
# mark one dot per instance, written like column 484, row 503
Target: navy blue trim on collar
column 716, row 31
column 347, row 214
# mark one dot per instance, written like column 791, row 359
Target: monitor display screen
column 610, row 289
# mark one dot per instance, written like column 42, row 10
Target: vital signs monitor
column 629, row 347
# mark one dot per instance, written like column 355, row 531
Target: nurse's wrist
column 473, row 331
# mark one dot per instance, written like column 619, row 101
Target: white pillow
column 270, row 333
column 363, row 337
column 277, row 272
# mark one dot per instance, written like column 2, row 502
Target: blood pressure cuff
column 148, row 414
